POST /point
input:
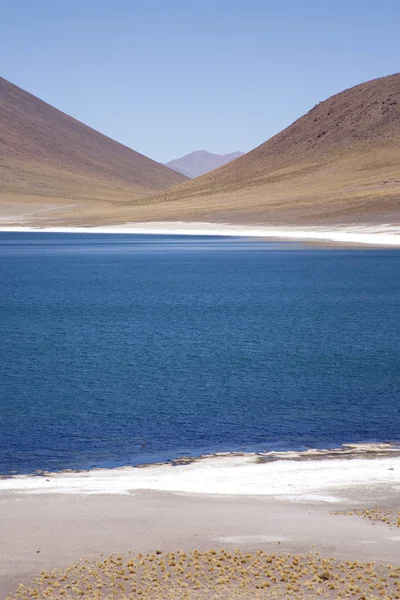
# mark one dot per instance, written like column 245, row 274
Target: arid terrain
column 338, row 164
column 190, row 546
column 49, row 160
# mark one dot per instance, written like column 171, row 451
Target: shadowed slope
column 46, row 153
column 339, row 162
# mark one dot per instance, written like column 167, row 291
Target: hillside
column 47, row 156
column 338, row 163
column 197, row 163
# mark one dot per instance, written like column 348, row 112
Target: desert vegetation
column 216, row 574
column 390, row 516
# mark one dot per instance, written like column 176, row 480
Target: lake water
column 126, row 349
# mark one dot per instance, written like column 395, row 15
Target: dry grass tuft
column 213, row 574
column 390, row 516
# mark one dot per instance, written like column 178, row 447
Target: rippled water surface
column 124, row 349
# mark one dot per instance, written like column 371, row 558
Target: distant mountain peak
column 338, row 163
column 199, row 162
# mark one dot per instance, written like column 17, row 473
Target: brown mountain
column 338, row 163
column 199, row 162
column 49, row 158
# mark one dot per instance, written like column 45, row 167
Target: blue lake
column 125, row 349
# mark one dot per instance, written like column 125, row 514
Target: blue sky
column 166, row 77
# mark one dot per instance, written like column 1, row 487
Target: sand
column 218, row 502
column 362, row 234
column 64, row 529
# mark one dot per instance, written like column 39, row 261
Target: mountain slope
column 45, row 153
column 200, row 162
column 338, row 163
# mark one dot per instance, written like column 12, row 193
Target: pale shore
column 321, row 480
column 43, row 532
column 231, row 501
column 362, row 234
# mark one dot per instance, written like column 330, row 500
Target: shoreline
column 290, row 502
column 387, row 235
column 311, row 475
column 347, row 450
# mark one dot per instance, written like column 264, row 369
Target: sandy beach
column 361, row 234
column 52, row 520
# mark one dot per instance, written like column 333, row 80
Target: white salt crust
column 306, row 480
column 379, row 235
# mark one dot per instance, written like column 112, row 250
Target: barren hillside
column 338, row 163
column 45, row 155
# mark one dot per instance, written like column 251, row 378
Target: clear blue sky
column 166, row 77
